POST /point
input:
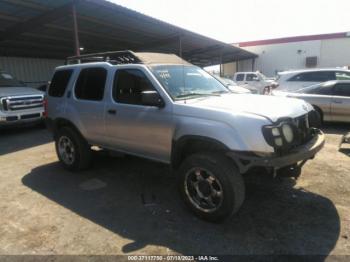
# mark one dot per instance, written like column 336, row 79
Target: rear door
column 340, row 106
column 86, row 108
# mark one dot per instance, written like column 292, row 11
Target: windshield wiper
column 195, row 94
column 220, row 92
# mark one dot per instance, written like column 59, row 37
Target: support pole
column 76, row 35
column 253, row 65
column 180, row 46
column 221, row 65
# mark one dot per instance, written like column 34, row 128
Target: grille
column 303, row 128
column 16, row 103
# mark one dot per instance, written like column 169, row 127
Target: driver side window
column 128, row 86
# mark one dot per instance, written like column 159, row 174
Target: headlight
column 280, row 135
column 288, row 133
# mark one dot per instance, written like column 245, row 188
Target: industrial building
column 37, row 35
column 300, row 52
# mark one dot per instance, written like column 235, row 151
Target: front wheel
column 211, row 186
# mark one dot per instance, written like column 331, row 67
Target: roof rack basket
column 113, row 57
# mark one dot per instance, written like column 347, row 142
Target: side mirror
column 152, row 98
column 256, row 79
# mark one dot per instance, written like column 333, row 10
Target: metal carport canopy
column 45, row 29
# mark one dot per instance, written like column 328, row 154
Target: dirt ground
column 126, row 205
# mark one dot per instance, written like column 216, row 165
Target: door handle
column 112, row 111
column 337, row 101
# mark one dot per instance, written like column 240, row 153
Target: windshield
column 6, row 80
column 185, row 82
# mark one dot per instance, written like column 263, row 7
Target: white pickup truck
column 256, row 82
column 19, row 104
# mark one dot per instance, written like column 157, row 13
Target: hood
column 18, row 91
column 239, row 90
column 270, row 107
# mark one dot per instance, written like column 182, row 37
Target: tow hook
column 289, row 171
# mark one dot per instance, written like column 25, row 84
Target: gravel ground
column 126, row 205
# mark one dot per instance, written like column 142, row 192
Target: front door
column 133, row 127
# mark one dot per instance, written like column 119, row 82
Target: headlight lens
column 281, row 135
column 288, row 133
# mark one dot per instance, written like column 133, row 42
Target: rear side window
column 321, row 76
column 59, row 82
column 239, row 77
column 128, row 86
column 342, row 75
column 342, row 90
column 91, row 84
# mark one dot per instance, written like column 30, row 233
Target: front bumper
column 300, row 153
column 20, row 118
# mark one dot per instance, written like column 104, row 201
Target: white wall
column 278, row 57
column 335, row 52
column 33, row 71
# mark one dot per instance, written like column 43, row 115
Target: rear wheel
column 211, row 186
column 72, row 150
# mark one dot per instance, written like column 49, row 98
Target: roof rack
column 113, row 57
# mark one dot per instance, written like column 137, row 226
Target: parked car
column 160, row 107
column 295, row 80
column 19, row 104
column 256, row 82
column 232, row 85
column 331, row 99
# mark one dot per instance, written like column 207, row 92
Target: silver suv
column 160, row 107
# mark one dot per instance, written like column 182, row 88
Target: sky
column 246, row 20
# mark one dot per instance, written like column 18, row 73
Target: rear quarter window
column 59, row 82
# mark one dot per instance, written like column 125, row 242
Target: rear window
column 59, row 82
column 91, row 84
column 321, row 76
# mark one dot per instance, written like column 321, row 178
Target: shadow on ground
column 18, row 138
column 336, row 128
column 138, row 200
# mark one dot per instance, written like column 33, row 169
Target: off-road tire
column 82, row 150
column 226, row 173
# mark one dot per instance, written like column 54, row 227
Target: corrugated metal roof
column 44, row 28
